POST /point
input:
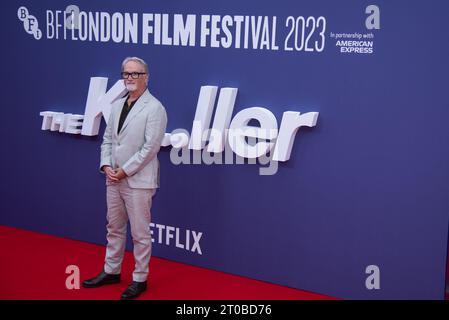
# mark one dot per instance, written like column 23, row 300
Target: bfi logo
column 30, row 23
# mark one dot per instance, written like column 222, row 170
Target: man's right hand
column 110, row 174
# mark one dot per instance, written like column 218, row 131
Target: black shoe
column 134, row 290
column 102, row 279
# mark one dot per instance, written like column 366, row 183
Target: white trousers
column 125, row 203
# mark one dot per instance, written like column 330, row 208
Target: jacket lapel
column 140, row 104
column 119, row 103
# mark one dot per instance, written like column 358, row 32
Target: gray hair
column 135, row 59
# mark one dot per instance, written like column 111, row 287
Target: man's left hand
column 120, row 174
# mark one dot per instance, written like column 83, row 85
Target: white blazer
column 135, row 148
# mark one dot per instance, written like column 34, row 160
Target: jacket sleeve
column 106, row 146
column 154, row 133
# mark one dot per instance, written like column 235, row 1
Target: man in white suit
column 129, row 161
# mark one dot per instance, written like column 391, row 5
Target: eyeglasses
column 134, row 75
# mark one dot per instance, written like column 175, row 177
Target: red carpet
column 32, row 266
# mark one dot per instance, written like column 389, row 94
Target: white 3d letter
column 225, row 106
column 99, row 102
column 239, row 129
column 203, row 116
column 291, row 122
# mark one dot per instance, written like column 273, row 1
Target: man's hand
column 120, row 174
column 114, row 175
column 110, row 174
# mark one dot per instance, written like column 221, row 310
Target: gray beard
column 131, row 87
